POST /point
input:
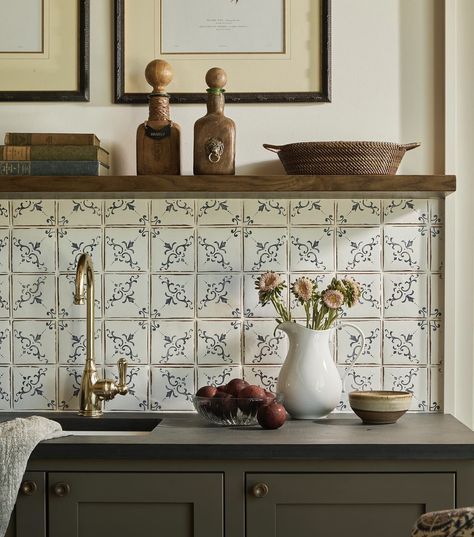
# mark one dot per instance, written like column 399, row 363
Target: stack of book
column 52, row 154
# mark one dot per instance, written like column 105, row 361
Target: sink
column 108, row 426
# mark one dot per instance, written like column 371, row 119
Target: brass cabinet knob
column 260, row 490
column 61, row 489
column 28, row 488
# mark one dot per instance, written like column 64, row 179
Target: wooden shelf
column 324, row 186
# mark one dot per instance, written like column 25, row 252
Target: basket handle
column 413, row 145
column 273, row 148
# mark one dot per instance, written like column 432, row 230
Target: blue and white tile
column 219, row 342
column 4, row 250
column 34, row 388
column 126, row 295
column 69, row 387
column 126, row 249
column 33, row 212
column 33, row 250
column 217, row 375
column 437, row 248
column 436, row 334
column 126, row 212
column 172, row 388
column 365, row 378
column 172, row 342
column 172, row 212
column 405, row 211
column 219, row 212
column 265, row 249
column 405, row 343
column 126, row 339
column 436, row 389
column 263, row 344
column 34, row 342
column 270, row 212
column 72, row 343
column 322, row 281
column 67, row 308
column 358, row 212
column 4, row 213
column 5, row 342
column 312, row 249
column 437, row 212
column 136, row 398
column 80, row 212
column 265, row 376
column 358, row 249
column 4, row 295
column 406, row 248
column 5, row 388
column 411, row 379
column 172, row 250
column 219, row 249
column 349, row 343
column 219, row 295
column 34, row 296
column 405, row 295
column 370, row 302
column 252, row 306
column 173, row 296
column 436, row 296
column 312, row 212
column 75, row 241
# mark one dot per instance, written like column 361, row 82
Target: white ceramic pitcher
column 309, row 383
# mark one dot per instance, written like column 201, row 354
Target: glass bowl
column 232, row 411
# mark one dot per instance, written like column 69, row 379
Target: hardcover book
column 52, row 167
column 54, row 152
column 50, row 138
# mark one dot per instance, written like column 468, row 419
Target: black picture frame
column 121, row 97
column 59, row 95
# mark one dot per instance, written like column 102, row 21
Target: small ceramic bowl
column 380, row 407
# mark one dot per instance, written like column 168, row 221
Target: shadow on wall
column 266, row 167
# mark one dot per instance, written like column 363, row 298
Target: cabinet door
column 135, row 504
column 359, row 505
column 29, row 517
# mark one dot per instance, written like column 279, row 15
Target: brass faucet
column 94, row 390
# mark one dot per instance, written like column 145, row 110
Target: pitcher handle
column 359, row 354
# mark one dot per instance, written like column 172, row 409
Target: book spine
column 54, row 152
column 25, row 138
column 51, row 167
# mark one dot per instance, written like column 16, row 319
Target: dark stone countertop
column 342, row 436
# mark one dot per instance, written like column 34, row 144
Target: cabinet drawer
column 135, row 504
column 356, row 504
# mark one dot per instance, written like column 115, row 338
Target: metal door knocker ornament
column 214, row 150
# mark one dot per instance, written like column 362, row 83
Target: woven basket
column 341, row 158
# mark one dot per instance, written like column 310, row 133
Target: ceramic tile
column 219, row 342
column 67, row 308
column 72, row 341
column 436, row 296
column 172, row 250
column 5, row 346
column 5, row 388
column 80, row 212
column 4, row 213
column 359, row 378
column 217, row 375
column 172, row 388
column 173, row 296
column 405, row 211
column 436, row 389
column 172, row 342
column 436, row 211
column 265, row 249
column 126, row 295
column 219, row 211
column 265, row 376
column 4, row 250
column 312, row 249
column 370, row 301
column 252, row 306
column 34, row 342
column 405, row 295
column 321, row 280
column 219, row 249
column 411, row 379
column 126, row 339
column 436, row 334
column 73, row 242
column 126, row 212
column 405, row 343
column 34, row 296
column 358, row 212
column 126, row 249
column 137, row 396
column 312, row 212
column 218, row 295
column 263, row 344
column 437, row 247
column 172, row 212
column 265, row 212
column 4, row 295
column 69, row 387
column 349, row 343
column 34, row 250
column 34, row 388
column 358, row 249
column 406, row 248
column 33, row 212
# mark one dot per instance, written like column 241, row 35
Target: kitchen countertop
column 342, row 436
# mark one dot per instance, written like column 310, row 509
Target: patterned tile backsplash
column 175, row 294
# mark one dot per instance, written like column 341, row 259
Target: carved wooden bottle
column 158, row 139
column 214, row 134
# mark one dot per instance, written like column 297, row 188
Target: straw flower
column 352, row 291
column 303, row 289
column 269, row 282
column 333, row 299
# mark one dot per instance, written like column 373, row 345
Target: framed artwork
column 44, row 50
column 272, row 50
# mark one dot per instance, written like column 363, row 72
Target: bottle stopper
column 159, row 74
column 216, row 79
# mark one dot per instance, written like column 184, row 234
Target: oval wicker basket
column 341, row 158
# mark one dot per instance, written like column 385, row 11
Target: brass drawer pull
column 28, row 488
column 61, row 489
column 260, row 490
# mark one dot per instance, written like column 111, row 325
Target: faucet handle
column 122, row 370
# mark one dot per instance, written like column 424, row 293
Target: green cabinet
column 29, row 516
